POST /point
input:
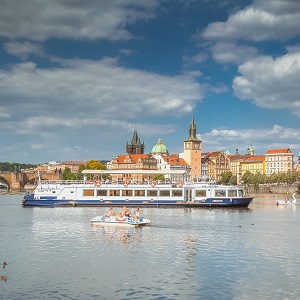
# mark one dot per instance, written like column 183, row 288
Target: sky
column 77, row 77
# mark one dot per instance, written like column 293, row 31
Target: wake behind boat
column 180, row 193
column 115, row 221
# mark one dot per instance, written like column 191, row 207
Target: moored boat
column 147, row 193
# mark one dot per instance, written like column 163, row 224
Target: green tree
column 68, row 175
column 226, row 177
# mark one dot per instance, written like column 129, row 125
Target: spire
column 135, row 139
column 192, row 131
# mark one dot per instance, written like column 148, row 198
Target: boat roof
column 134, row 171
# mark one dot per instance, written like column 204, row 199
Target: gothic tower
column 192, row 151
column 135, row 147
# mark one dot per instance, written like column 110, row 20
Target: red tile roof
column 274, row 151
column 133, row 157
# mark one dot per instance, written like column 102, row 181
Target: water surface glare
column 55, row 253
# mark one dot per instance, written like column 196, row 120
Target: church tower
column 136, row 147
column 192, row 151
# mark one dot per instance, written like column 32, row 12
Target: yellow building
column 236, row 166
column 254, row 164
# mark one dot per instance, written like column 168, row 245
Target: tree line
column 249, row 178
column 15, row 167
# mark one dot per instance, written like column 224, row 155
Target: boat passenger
column 137, row 215
column 110, row 213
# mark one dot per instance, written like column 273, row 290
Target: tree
column 68, row 175
column 94, row 165
column 226, row 177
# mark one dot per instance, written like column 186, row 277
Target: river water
column 55, row 253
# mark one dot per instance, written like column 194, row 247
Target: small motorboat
column 288, row 201
column 115, row 221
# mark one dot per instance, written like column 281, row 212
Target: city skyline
column 76, row 79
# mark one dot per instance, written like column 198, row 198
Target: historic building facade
column 279, row 160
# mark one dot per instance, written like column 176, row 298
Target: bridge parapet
column 17, row 180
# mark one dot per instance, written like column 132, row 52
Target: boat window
column 220, row 193
column 152, row 193
column 127, row 193
column 241, row 193
column 101, row 192
column 176, row 193
column 139, row 192
column 164, row 193
column 232, row 193
column 200, row 193
column 114, row 192
column 88, row 192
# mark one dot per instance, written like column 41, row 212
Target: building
column 279, row 160
column 136, row 147
column 72, row 165
column 254, row 164
column 236, row 165
column 192, row 151
column 132, row 162
column 215, row 164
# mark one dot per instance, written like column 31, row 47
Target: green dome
column 159, row 147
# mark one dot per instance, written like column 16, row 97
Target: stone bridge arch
column 5, row 180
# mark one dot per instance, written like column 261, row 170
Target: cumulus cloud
column 23, row 49
column 271, row 83
column 268, row 138
column 225, row 52
column 88, row 93
column 263, row 20
column 39, row 20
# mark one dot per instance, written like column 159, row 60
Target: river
column 55, row 253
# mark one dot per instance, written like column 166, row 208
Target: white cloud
column 90, row 19
column 271, row 83
column 224, row 52
column 23, row 49
column 264, row 20
column 262, row 139
column 80, row 93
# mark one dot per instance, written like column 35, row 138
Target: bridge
column 17, row 180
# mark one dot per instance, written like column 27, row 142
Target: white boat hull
column 288, row 202
column 113, row 222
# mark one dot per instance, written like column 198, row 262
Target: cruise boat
column 180, row 193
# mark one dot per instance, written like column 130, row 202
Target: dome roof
column 159, row 147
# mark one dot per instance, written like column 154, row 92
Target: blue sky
column 78, row 77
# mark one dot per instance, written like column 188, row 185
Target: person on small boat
column 123, row 214
column 137, row 215
column 110, row 213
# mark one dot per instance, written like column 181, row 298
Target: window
column 176, row 193
column 165, row 193
column 139, row 192
column 200, row 193
column 88, row 192
column 114, row 192
column 220, row 193
column 127, row 193
column 101, row 192
column 152, row 193
column 232, row 193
